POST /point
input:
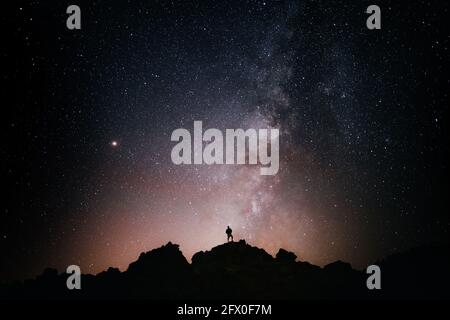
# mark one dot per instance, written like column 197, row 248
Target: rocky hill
column 238, row 270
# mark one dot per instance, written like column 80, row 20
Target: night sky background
column 87, row 117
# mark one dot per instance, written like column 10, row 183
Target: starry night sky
column 88, row 115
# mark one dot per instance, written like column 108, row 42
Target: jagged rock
column 338, row 267
column 159, row 262
column 237, row 270
column 231, row 254
column 160, row 273
column 285, row 256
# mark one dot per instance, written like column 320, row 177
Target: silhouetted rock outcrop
column 234, row 270
column 161, row 273
column 285, row 256
column 238, row 270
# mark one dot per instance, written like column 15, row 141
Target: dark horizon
column 62, row 272
column 240, row 271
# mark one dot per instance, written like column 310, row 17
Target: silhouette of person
column 229, row 234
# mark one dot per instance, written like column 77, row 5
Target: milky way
column 94, row 183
